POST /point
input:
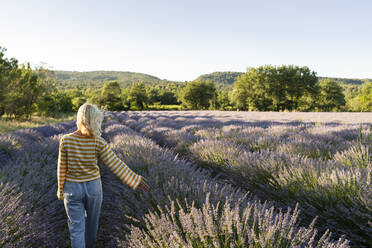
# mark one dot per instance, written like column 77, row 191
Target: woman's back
column 80, row 154
column 78, row 160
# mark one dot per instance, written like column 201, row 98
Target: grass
column 9, row 125
column 164, row 107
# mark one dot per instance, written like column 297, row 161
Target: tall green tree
column 331, row 97
column 298, row 81
column 77, row 98
column 8, row 68
column 22, row 92
column 198, row 94
column 253, row 90
column 93, row 95
column 52, row 101
column 365, row 97
column 153, row 94
column 54, row 104
column 273, row 88
column 223, row 100
column 240, row 92
column 125, row 98
column 138, row 96
column 168, row 98
column 111, row 93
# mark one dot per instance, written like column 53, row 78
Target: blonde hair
column 89, row 120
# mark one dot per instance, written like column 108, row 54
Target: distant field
column 7, row 125
column 165, row 107
column 317, row 117
column 340, row 117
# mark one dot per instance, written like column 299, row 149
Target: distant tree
column 77, row 102
column 52, row 100
column 111, row 96
column 352, row 93
column 240, row 94
column 252, row 91
column 213, row 103
column 153, row 94
column 8, row 68
column 197, row 94
column 223, row 100
column 331, row 97
column 74, row 93
column 354, row 104
column 298, row 81
column 22, row 92
column 366, row 97
column 309, row 102
column 273, row 88
column 137, row 96
column 168, row 98
column 77, row 98
column 125, row 98
column 94, row 96
column 53, row 104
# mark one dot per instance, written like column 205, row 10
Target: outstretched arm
column 118, row 167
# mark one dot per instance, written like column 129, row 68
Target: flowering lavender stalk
column 255, row 225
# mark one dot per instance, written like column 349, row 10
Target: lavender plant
column 255, row 225
column 33, row 176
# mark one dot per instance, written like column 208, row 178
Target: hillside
column 227, row 77
column 96, row 79
column 230, row 77
column 352, row 81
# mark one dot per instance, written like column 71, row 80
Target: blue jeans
column 83, row 207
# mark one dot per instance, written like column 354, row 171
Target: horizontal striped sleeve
column 61, row 167
column 117, row 166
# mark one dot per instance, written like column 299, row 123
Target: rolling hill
column 96, row 79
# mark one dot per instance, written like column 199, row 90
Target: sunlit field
column 218, row 179
column 9, row 125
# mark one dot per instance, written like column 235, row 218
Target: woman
column 79, row 180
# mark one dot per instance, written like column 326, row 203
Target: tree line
column 24, row 91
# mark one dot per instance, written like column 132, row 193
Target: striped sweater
column 77, row 161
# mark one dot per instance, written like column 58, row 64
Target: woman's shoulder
column 100, row 139
column 75, row 137
column 65, row 137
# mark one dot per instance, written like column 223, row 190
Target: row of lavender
column 24, row 139
column 31, row 215
column 325, row 168
column 185, row 206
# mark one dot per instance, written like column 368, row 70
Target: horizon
column 196, row 77
column 179, row 41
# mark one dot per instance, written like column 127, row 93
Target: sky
column 181, row 40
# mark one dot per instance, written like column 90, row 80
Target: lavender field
column 218, row 179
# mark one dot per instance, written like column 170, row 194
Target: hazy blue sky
column 179, row 40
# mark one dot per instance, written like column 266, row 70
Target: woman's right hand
column 59, row 195
column 143, row 185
